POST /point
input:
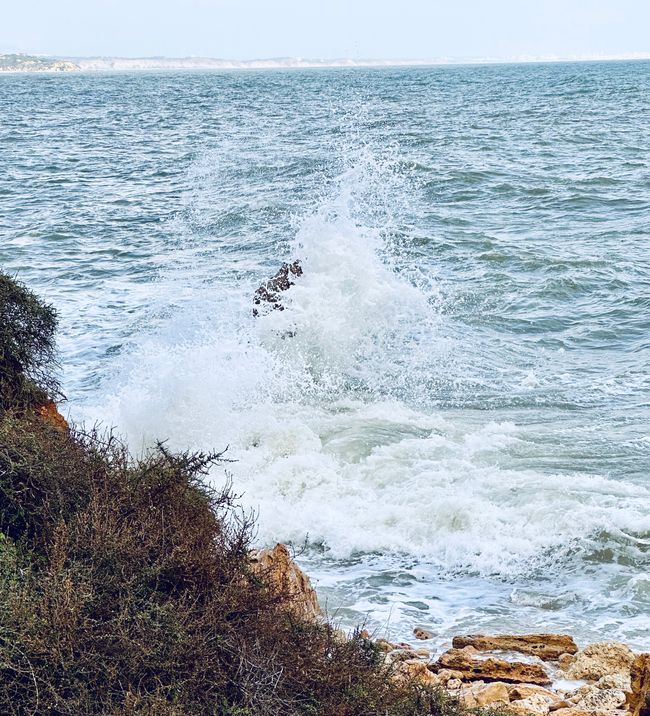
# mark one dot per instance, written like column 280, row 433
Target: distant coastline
column 18, row 62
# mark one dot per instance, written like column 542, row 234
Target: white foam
column 334, row 430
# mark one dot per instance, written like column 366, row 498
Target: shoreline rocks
column 546, row 646
column 603, row 679
column 538, row 674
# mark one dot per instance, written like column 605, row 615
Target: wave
column 329, row 409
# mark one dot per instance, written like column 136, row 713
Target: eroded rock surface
column 268, row 294
column 601, row 659
column 545, row 646
column 492, row 669
column 638, row 698
column 281, row 572
column 51, row 415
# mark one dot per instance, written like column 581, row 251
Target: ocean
column 450, row 420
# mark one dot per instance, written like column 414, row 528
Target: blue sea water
column 452, row 414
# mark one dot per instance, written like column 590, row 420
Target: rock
column 524, row 691
column 446, row 675
column 416, row 670
column 384, row 645
column 401, row 655
column 284, row 575
column 638, row 700
column 454, row 684
column 564, row 704
column 491, row 669
column 602, row 700
column 535, row 704
column 269, row 293
column 423, row 653
column 601, row 659
column 51, row 415
column 495, row 693
column 422, row 634
column 545, row 646
column 615, row 681
column 565, row 661
column 571, row 712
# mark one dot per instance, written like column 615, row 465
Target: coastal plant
column 27, row 349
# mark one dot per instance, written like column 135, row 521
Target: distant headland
column 18, row 62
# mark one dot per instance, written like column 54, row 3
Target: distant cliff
column 30, row 63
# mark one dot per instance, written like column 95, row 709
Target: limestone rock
column 495, row 693
column 422, row 634
column 601, row 659
column 416, row 670
column 447, row 675
column 622, row 682
column 638, row 700
column 571, row 712
column 535, row 704
column 563, row 704
column 384, row 645
column 491, row 669
column 524, row 691
column 565, row 661
column 401, row 655
column 602, row 700
column 545, row 646
column 283, row 574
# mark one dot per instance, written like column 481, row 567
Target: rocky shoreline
column 539, row 674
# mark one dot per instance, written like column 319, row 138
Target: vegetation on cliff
column 126, row 584
column 30, row 63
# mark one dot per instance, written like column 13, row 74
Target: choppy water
column 459, row 427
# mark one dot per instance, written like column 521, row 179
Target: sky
column 359, row 29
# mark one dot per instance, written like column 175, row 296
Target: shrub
column 27, row 358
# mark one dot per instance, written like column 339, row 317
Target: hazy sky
column 247, row 29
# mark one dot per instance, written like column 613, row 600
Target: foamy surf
column 330, row 409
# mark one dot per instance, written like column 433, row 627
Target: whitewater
column 449, row 420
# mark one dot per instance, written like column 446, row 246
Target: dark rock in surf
column 269, row 292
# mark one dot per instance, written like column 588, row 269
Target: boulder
column 535, row 704
column 565, row 661
column 384, row 645
column 571, row 712
column 524, row 691
column 615, row 681
column 601, row 659
column 602, row 700
column 638, row 699
column 283, row 575
column 422, row 634
column 491, row 669
column 401, row 655
column 416, row 670
column 51, row 415
column 546, row 646
column 268, row 296
column 447, row 675
column 495, row 693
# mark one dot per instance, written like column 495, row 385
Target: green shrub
column 27, row 357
